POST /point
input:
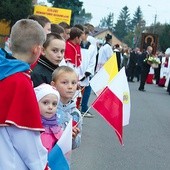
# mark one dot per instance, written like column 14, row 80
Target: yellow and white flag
column 102, row 78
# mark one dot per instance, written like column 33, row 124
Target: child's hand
column 75, row 131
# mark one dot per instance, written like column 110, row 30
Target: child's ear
column 43, row 51
column 36, row 50
column 52, row 83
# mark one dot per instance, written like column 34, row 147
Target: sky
column 150, row 8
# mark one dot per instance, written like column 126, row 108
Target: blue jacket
column 64, row 113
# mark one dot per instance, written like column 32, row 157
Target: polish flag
column 113, row 103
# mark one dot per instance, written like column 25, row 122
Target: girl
column 48, row 99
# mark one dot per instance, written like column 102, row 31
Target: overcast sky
column 150, row 8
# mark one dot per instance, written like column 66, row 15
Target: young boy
column 20, row 122
column 48, row 99
column 51, row 57
column 43, row 21
column 65, row 80
column 88, row 52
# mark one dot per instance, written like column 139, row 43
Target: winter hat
column 167, row 52
column 45, row 89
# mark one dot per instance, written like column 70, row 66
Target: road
column 146, row 138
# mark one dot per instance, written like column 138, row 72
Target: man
column 145, row 67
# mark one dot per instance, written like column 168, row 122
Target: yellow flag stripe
column 111, row 67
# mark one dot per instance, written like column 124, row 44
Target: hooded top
column 17, row 100
column 9, row 65
column 64, row 113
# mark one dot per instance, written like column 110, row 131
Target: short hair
column 56, row 28
column 86, row 30
column 42, row 20
column 52, row 36
column 64, row 25
column 80, row 27
column 60, row 70
column 90, row 27
column 108, row 37
column 25, row 34
column 75, row 32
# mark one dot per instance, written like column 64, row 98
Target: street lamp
column 155, row 17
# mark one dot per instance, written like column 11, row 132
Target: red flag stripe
column 110, row 107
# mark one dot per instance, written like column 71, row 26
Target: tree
column 74, row 5
column 163, row 36
column 107, row 22
column 137, row 17
column 123, row 25
column 14, row 10
column 85, row 17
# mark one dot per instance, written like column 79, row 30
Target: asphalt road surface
column 146, row 138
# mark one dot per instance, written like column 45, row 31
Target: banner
column 55, row 15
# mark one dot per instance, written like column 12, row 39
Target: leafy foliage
column 107, row 22
column 164, row 34
column 123, row 25
column 85, row 16
column 14, row 10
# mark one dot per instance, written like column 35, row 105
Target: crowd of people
column 45, row 75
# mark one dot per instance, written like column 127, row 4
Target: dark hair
column 40, row 19
column 80, row 27
column 50, row 37
column 116, row 45
column 75, row 32
column 64, row 25
column 56, row 28
column 108, row 37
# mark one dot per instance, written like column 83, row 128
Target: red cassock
column 18, row 104
column 72, row 53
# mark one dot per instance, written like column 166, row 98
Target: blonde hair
column 60, row 70
column 25, row 34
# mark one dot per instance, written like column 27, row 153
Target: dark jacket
column 42, row 73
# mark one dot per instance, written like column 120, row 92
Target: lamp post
column 155, row 17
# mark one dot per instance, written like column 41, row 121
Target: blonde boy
column 65, row 80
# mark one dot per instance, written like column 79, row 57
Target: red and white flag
column 113, row 104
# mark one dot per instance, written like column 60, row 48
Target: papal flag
column 113, row 103
column 58, row 157
column 104, row 76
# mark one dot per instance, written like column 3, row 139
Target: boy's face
column 48, row 105
column 47, row 28
column 55, row 51
column 66, row 84
column 66, row 34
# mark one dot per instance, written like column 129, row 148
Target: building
column 100, row 34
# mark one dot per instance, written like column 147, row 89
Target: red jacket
column 72, row 53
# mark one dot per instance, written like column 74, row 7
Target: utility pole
column 155, row 18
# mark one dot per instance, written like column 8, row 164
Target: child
column 43, row 21
column 65, row 80
column 56, row 28
column 72, row 53
column 20, row 122
column 48, row 99
column 66, row 30
column 88, row 52
column 52, row 55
